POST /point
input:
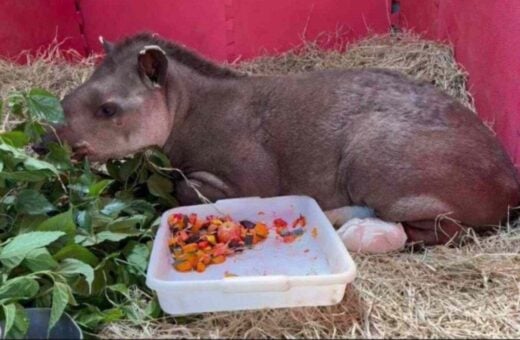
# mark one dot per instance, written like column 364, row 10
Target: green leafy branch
column 73, row 238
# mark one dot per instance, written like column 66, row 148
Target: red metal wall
column 30, row 24
column 219, row 29
column 486, row 39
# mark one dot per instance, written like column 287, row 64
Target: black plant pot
column 65, row 328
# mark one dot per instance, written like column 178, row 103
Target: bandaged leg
column 372, row 235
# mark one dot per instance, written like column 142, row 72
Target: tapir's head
column 122, row 107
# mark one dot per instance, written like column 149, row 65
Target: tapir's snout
column 42, row 147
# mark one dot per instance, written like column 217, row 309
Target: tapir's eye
column 107, row 110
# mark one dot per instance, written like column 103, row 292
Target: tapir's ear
column 107, row 45
column 153, row 65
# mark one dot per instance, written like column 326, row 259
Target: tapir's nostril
column 40, row 148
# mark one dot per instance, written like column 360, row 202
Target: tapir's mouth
column 81, row 150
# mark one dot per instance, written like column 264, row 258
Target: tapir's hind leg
column 372, row 235
column 431, row 232
column 430, row 221
column 361, row 232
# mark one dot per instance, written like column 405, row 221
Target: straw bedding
column 441, row 292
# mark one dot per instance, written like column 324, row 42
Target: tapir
column 366, row 143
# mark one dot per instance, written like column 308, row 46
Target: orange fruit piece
column 190, row 248
column 261, row 230
column 184, row 266
column 201, row 267
column 218, row 259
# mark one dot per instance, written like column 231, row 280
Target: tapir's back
column 382, row 135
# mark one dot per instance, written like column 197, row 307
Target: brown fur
column 355, row 137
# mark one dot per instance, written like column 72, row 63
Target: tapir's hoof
column 372, row 235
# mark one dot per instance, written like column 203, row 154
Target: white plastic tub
column 311, row 271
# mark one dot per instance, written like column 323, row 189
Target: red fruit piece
column 300, row 221
column 228, row 231
column 280, row 223
column 220, row 249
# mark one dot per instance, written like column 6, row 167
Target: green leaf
column 153, row 309
column 28, row 223
column 120, row 288
column 26, row 176
column 70, row 267
column 60, row 298
column 42, row 105
column 97, row 188
column 17, row 139
column 10, row 315
column 128, row 167
column 36, row 164
column 157, row 157
column 21, row 287
column 16, row 250
column 20, row 326
column 61, row 222
column 159, row 186
column 16, row 152
column 75, row 251
column 59, row 156
column 91, row 317
column 84, row 220
column 126, row 224
column 39, row 260
column 34, row 130
column 113, row 169
column 114, row 208
column 101, row 237
column 138, row 259
column 33, row 203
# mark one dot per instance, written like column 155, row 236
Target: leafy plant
column 73, row 237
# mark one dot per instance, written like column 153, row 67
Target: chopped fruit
column 228, row 231
column 220, row 249
column 247, row 224
column 289, row 239
column 289, row 236
column 261, row 230
column 183, row 235
column 197, row 243
column 280, row 223
column 299, row 222
column 314, row 232
column 248, row 240
column 218, row 259
column 201, row 267
column 190, row 248
column 184, row 266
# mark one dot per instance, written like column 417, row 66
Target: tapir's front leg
column 201, row 182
